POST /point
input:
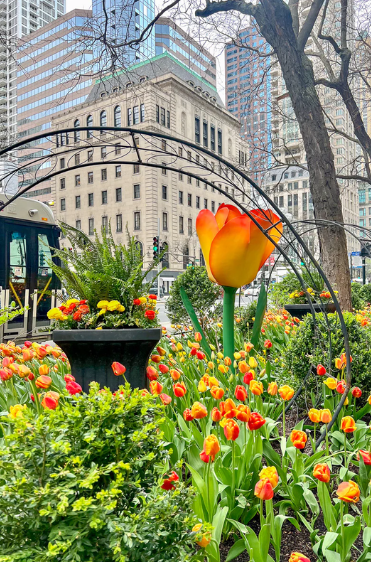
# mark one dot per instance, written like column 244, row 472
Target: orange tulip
column 227, row 361
column 314, row 415
column 340, row 387
column 240, row 393
column 217, row 392
column 298, row 557
column 322, row 472
column 229, row 408
column 272, row 388
column 243, row 413
column 198, row 336
column 23, row 371
column 50, row 400
column 163, row 368
column 348, row 492
column 286, row 392
column 156, row 358
column 27, row 354
column 205, row 538
column 151, row 373
column 326, row 415
column 155, row 387
column 243, row 367
column 179, row 389
column 231, row 430
column 298, row 438
column 356, row 392
column 198, row 411
column 43, row 382
column 118, row 369
column 256, row 421
column 270, row 473
column 231, row 238
column 263, row 489
column 165, row 399
column 43, row 370
column 216, row 415
column 348, row 425
column 211, row 446
column 187, row 415
column 256, row 387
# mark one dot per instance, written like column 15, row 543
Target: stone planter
column 92, row 352
column 300, row 310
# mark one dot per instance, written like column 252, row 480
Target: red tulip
column 187, row 415
column 366, row 455
column 356, row 392
column 156, row 358
column 168, row 482
column 163, row 368
column 200, row 355
column 43, row 382
column 268, row 344
column 73, row 388
column 165, row 399
column 216, row 415
column 179, row 389
column 118, row 368
column 240, row 393
column 155, row 387
column 231, row 430
column 151, row 373
column 321, row 370
column 69, row 378
column 256, row 421
column 264, row 490
column 248, row 377
column 204, row 457
column 5, row 374
column 50, row 400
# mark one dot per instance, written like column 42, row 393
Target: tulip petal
column 266, row 218
column 233, row 212
column 207, row 229
column 221, row 216
column 237, row 252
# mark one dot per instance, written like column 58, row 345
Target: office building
column 164, row 96
column 124, row 21
column 172, row 39
column 56, row 75
column 248, row 95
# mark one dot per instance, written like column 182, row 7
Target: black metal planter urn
column 301, row 310
column 92, row 352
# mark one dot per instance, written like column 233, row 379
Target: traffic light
column 156, row 247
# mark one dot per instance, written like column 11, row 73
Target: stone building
column 161, row 96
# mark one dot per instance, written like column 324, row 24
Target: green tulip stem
column 228, row 323
column 342, row 529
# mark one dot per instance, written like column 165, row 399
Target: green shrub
column 202, row 293
column 357, row 298
column 366, row 294
column 81, row 483
column 247, row 315
column 311, row 345
column 280, row 293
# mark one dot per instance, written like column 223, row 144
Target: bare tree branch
column 308, row 25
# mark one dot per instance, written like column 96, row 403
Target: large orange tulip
column 233, row 246
column 348, row 492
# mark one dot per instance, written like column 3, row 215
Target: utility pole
column 158, row 265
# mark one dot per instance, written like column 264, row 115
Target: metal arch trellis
column 148, row 146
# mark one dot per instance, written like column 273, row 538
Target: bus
column 28, row 231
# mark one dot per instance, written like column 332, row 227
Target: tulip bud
column 151, row 373
column 118, row 368
column 263, row 490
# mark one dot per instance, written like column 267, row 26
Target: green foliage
column 311, row 345
column 81, row 483
column 7, row 314
column 279, row 295
column 202, row 293
column 246, row 314
column 100, row 269
column 361, row 295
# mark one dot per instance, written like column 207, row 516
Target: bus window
column 17, row 266
column 44, row 277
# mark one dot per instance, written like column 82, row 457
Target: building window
column 162, row 116
column 118, row 223
column 163, row 169
column 157, row 114
column 164, row 192
column 136, row 169
column 189, row 179
column 181, row 225
column 117, row 149
column 220, row 142
column 136, row 190
column 189, row 200
column 63, row 204
column 90, row 199
column 163, row 144
column 77, row 180
column 137, row 220
column 197, row 129
column 362, row 196
column 205, row 133
column 213, row 206
column 89, row 123
column 103, row 121
column 168, row 119
column 78, row 224
column 190, row 228
column 205, row 203
column 77, row 202
column 90, row 177
column 77, row 159
column 104, row 197
column 130, row 117
column 212, row 137
column 142, row 113
column 62, row 183
column 76, row 136
column 197, row 202
column 103, row 152
column 180, row 177
column 181, row 197
column 136, row 115
column 117, row 116
column 118, row 171
column 197, row 182
column 62, row 163
column 118, row 195
column 91, row 227
column 103, row 173
column 164, row 221
column 105, row 222
column 90, row 155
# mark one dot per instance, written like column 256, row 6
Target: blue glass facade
column 126, row 20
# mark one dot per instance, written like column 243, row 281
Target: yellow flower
column 220, row 355
column 143, row 300
column 253, row 363
column 202, row 386
column 55, row 314
column 16, row 411
column 179, row 346
column 103, row 304
column 71, row 301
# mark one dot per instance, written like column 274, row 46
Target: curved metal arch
column 162, row 149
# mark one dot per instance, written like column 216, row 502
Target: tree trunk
column 275, row 23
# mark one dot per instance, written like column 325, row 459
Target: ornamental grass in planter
column 110, row 315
